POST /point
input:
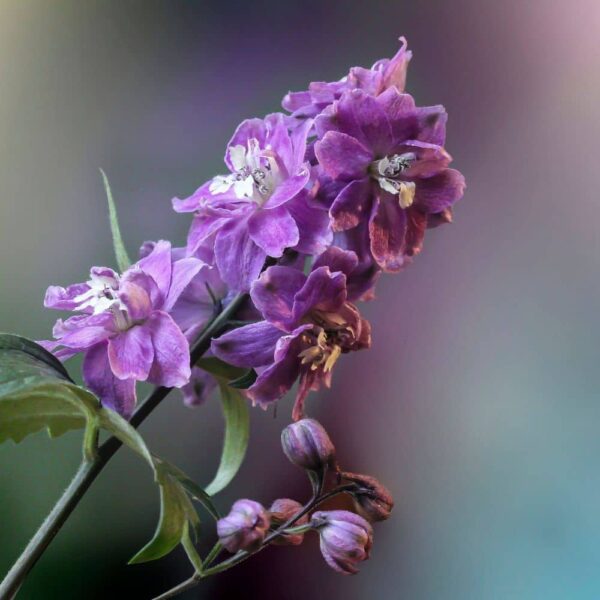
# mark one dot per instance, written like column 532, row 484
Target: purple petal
column 387, row 228
column 158, row 265
column 288, row 188
column 193, row 202
column 114, row 393
column 273, row 294
column 61, row 298
column 171, row 364
column 343, row 156
column 351, row 205
column 139, row 293
column 312, row 219
column 249, row 346
column 239, row 259
column 436, row 194
column 130, row 353
column 323, row 290
column 337, row 259
column 298, row 136
column 184, row 271
column 273, row 230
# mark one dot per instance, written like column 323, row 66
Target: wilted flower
column 346, row 539
column 262, row 207
column 384, row 74
column 308, row 325
column 372, row 499
column 245, row 527
column 125, row 330
column 387, row 157
column 282, row 510
column 308, row 445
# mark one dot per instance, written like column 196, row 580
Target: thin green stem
column 90, row 469
column 213, row 554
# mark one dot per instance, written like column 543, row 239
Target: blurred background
column 478, row 405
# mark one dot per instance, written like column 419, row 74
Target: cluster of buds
column 346, row 537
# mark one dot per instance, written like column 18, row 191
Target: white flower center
column 102, row 295
column 255, row 175
column 388, row 171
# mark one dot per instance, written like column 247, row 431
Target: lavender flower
column 308, row 324
column 245, row 527
column 346, row 539
column 124, row 329
column 387, row 158
column 307, row 445
column 385, row 73
column 261, row 208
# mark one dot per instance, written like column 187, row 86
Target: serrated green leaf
column 123, row 261
column 237, row 432
column 245, row 381
column 36, row 392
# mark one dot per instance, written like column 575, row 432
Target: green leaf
column 237, row 432
column 36, row 392
column 192, row 488
column 245, row 381
column 220, row 369
column 123, row 261
column 177, row 517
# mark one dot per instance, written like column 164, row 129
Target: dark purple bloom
column 308, row 324
column 282, row 510
column 200, row 386
column 245, row 527
column 382, row 75
column 387, row 158
column 346, row 539
column 125, row 330
column 307, row 445
column 261, row 208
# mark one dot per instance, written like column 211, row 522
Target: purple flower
column 382, row 75
column 260, row 208
column 200, row 386
column 386, row 158
column 308, row 324
column 245, row 527
column 346, row 539
column 124, row 329
column 308, row 445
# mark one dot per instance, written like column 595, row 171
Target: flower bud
column 346, row 539
column 245, row 527
column 372, row 499
column 282, row 511
column 307, row 445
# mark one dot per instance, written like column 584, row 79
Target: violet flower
column 124, row 329
column 308, row 324
column 385, row 73
column 387, row 157
column 245, row 527
column 346, row 539
column 261, row 208
column 199, row 388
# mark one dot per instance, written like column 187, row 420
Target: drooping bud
column 307, row 445
column 371, row 499
column 245, row 527
column 346, row 539
column 282, row 510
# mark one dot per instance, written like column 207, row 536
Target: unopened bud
column 371, row 499
column 307, row 445
column 282, row 511
column 346, row 539
column 245, row 527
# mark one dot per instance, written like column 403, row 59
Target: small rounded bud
column 307, row 445
column 245, row 527
column 282, row 511
column 346, row 539
column 371, row 499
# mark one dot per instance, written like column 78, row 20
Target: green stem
column 90, row 469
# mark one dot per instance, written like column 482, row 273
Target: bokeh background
column 478, row 404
